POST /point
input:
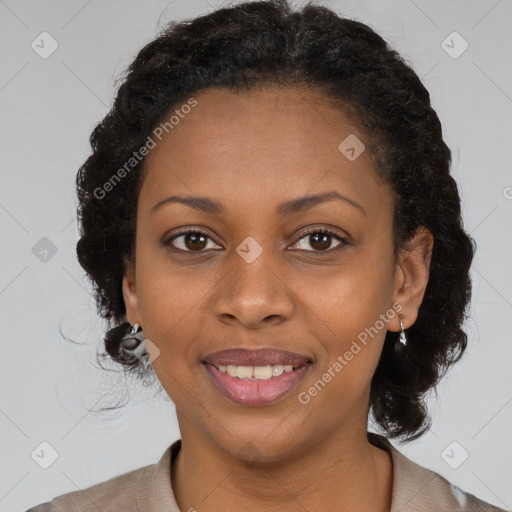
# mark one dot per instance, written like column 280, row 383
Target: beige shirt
column 148, row 489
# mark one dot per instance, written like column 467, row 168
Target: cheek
column 169, row 302
column 350, row 307
column 166, row 293
column 350, row 298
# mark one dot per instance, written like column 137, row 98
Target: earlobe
column 412, row 277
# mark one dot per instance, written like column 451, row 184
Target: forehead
column 273, row 141
column 265, row 118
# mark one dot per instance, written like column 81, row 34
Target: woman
column 272, row 230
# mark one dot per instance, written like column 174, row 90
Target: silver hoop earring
column 402, row 339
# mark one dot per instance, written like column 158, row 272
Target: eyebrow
column 208, row 205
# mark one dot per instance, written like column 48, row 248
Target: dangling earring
column 133, row 345
column 402, row 339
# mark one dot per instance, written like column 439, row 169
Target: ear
column 411, row 277
column 130, row 292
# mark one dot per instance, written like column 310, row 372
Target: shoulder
column 470, row 503
column 447, row 496
column 122, row 492
column 426, row 488
column 419, row 489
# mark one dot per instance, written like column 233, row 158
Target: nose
column 254, row 295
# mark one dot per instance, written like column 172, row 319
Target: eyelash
column 327, row 231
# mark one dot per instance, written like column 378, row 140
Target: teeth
column 277, row 370
column 244, row 372
column 259, row 372
column 255, row 372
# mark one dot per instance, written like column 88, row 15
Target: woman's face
column 263, row 275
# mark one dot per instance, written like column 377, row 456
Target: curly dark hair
column 267, row 42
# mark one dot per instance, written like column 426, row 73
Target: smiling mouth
column 256, row 385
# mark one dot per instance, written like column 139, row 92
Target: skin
column 251, row 151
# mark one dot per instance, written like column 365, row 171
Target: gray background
column 51, row 389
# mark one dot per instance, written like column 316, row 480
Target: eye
column 196, row 240
column 320, row 240
column 191, row 240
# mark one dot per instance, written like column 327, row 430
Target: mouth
column 256, row 377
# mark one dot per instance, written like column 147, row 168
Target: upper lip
column 255, row 357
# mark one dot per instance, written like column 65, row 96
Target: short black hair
column 268, row 42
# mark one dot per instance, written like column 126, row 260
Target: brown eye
column 190, row 241
column 195, row 241
column 320, row 240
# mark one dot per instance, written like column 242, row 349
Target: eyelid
column 320, row 229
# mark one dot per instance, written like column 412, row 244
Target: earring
column 402, row 339
column 133, row 345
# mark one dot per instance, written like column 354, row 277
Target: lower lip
column 255, row 392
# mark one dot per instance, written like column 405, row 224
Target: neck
column 342, row 472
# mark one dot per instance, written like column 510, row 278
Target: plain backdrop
column 51, row 390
